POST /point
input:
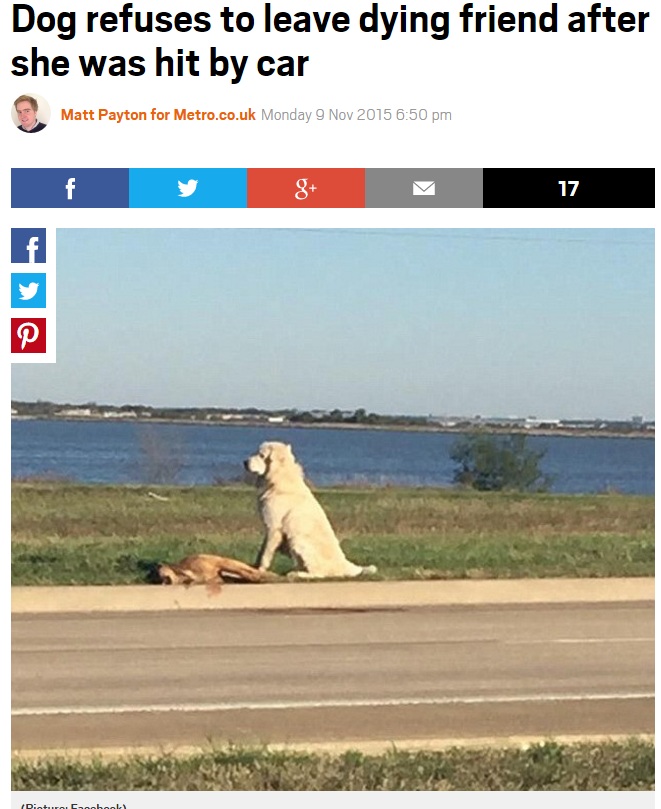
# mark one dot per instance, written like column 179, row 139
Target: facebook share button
column 28, row 245
column 69, row 188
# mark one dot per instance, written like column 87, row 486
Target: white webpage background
column 517, row 100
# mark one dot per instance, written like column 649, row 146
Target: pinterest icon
column 28, row 336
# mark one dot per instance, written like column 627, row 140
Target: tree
column 492, row 463
column 161, row 456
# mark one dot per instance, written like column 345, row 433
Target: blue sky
column 548, row 323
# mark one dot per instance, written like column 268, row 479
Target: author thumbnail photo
column 30, row 113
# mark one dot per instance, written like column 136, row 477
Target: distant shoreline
column 417, row 428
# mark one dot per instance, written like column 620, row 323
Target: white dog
column 294, row 519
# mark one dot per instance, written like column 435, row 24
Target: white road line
column 577, row 640
column 358, row 703
column 18, row 649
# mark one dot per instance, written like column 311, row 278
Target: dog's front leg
column 272, row 542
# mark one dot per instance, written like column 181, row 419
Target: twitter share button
column 187, row 188
column 28, row 290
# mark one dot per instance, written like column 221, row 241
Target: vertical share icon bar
column 32, row 295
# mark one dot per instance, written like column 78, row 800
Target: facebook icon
column 69, row 188
column 28, row 245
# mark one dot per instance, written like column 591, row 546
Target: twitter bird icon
column 187, row 189
column 28, row 292
column 172, row 188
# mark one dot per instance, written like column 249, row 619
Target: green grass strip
column 71, row 534
column 616, row 765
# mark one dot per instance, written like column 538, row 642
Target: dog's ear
column 182, row 576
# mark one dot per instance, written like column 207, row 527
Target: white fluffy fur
column 294, row 519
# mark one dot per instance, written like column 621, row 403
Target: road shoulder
column 329, row 595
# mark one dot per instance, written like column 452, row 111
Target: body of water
column 121, row 452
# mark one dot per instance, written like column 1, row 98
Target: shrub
column 492, row 463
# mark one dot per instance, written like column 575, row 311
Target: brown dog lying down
column 204, row 568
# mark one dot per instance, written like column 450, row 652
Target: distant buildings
column 635, row 424
column 350, row 418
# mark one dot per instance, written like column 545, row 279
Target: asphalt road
column 431, row 674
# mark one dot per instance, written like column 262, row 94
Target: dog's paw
column 300, row 575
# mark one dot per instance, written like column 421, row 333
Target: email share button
column 423, row 188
